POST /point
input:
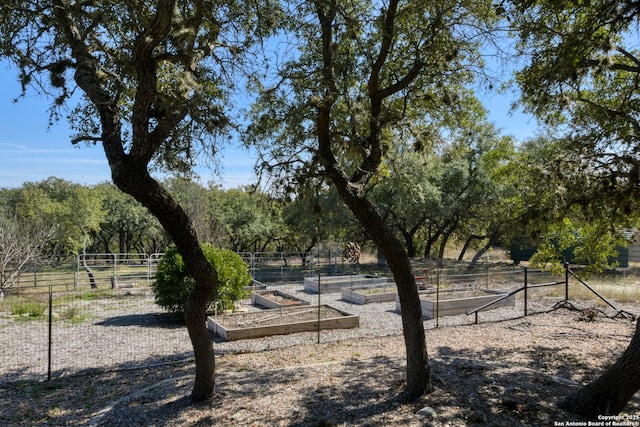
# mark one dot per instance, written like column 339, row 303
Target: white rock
column 426, row 412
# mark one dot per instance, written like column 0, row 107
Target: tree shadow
column 152, row 320
column 489, row 387
column 82, row 393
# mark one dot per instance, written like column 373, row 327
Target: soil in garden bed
column 279, row 316
column 281, row 298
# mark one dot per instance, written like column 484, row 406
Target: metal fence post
column 50, row 343
column 566, row 281
column 319, row 292
column 437, row 298
column 526, row 283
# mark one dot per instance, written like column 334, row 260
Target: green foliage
column 28, row 309
column 589, row 242
column 249, row 220
column 126, row 226
column 173, row 283
column 73, row 315
column 75, row 210
column 582, row 77
column 415, row 83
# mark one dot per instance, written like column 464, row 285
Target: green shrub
column 173, row 284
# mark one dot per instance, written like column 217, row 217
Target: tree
column 74, row 209
column 362, row 77
column 249, row 219
column 407, row 197
column 154, row 76
column 195, row 200
column 20, row 243
column 488, row 217
column 582, row 77
column 317, row 215
column 127, row 226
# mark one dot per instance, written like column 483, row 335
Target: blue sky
column 31, row 150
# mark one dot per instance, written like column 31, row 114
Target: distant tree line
column 471, row 194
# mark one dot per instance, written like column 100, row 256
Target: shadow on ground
column 485, row 388
column 157, row 320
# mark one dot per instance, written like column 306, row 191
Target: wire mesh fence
column 55, row 321
column 53, row 334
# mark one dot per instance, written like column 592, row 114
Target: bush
column 173, row 284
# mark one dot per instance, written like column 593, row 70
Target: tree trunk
column 418, row 372
column 410, row 244
column 443, row 243
column 175, row 221
column 418, row 379
column 92, row 279
column 483, row 250
column 351, row 189
column 609, row 393
column 430, row 242
column 152, row 124
column 466, row 245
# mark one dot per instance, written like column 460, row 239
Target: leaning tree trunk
column 492, row 241
column 175, row 221
column 418, row 379
column 466, row 245
column 609, row 393
column 92, row 279
column 418, row 372
column 443, row 244
column 153, row 122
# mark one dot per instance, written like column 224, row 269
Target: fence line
column 81, row 317
column 117, row 270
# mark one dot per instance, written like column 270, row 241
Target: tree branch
column 86, row 138
column 143, row 146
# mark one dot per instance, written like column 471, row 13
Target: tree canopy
column 154, row 77
column 581, row 76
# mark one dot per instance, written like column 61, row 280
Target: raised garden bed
column 459, row 302
column 336, row 283
column 275, row 299
column 280, row 322
column 369, row 294
column 379, row 293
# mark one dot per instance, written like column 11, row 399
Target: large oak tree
column 361, row 74
column 154, row 76
column 582, row 75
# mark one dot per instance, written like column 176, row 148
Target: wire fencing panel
column 115, row 270
column 108, row 319
column 270, row 267
column 102, row 313
column 104, row 328
column 23, row 337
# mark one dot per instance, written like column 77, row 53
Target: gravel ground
column 507, row 370
column 130, row 330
